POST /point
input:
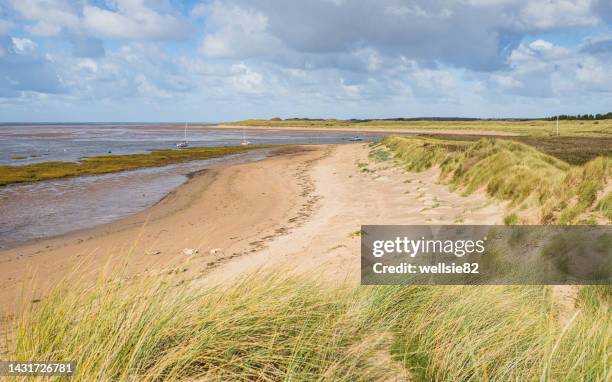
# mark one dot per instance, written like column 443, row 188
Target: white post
column 557, row 125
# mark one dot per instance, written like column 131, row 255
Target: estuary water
column 54, row 207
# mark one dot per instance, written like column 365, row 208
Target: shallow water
column 25, row 144
column 49, row 208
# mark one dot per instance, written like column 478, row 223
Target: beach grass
column 517, row 173
column 534, row 128
column 112, row 163
column 282, row 326
column 573, row 150
column 273, row 327
column 265, row 327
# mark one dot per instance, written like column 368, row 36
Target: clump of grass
column 605, row 205
column 261, row 328
column 421, row 153
column 462, row 334
column 511, row 219
column 355, row 233
column 112, row 163
column 270, row 327
column 511, row 171
column 379, row 155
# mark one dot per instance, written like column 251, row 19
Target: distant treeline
column 582, row 117
column 356, row 120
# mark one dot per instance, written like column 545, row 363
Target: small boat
column 184, row 143
column 244, row 141
column 356, row 138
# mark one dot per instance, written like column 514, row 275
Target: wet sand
column 299, row 209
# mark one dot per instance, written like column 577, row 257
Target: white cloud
column 547, row 14
column 49, row 17
column 237, row 32
column 133, row 19
column 595, row 74
column 312, row 58
column 24, row 69
column 507, row 82
column 246, row 80
column 23, row 45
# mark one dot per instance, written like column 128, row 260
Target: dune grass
column 261, row 328
column 573, row 150
column 112, row 163
column 517, row 173
column 269, row 327
column 272, row 327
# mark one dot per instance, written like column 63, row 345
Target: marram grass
column 510, row 171
column 261, row 328
column 270, row 328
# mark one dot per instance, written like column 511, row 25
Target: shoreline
column 166, row 170
column 369, row 130
column 204, row 213
column 298, row 208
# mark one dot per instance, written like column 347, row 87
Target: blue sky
column 164, row 60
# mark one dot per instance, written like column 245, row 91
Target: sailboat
column 356, row 138
column 184, row 143
column 244, row 141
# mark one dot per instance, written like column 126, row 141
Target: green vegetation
column 514, row 172
column 586, row 117
column 263, row 328
column 535, row 128
column 573, row 150
column 511, row 219
column 499, row 333
column 112, row 163
column 294, row 328
column 279, row 327
column 379, row 155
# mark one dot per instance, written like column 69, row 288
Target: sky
column 167, row 60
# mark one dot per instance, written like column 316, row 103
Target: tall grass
column 276, row 327
column 500, row 333
column 261, row 328
column 270, row 327
column 515, row 172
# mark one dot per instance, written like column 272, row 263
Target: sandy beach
column 299, row 209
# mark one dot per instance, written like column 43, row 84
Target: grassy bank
column 112, row 163
column 573, row 150
column 539, row 188
column 538, row 128
column 270, row 327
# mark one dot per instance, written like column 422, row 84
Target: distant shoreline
column 369, row 130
